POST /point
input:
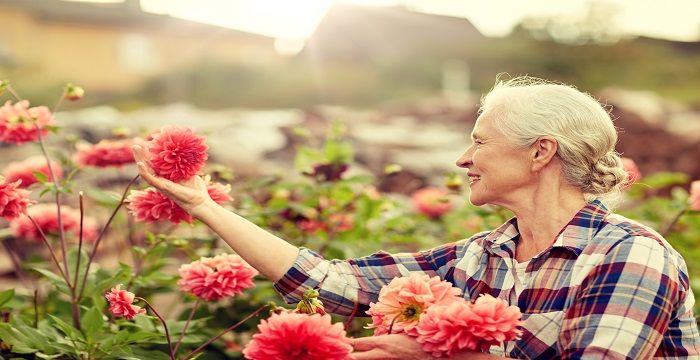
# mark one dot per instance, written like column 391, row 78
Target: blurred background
column 406, row 76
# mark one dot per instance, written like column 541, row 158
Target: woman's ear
column 543, row 151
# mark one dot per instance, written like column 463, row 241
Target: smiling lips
column 473, row 178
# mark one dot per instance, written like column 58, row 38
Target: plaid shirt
column 608, row 288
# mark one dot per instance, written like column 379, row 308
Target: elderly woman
column 590, row 283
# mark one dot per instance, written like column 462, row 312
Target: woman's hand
column 191, row 194
column 388, row 347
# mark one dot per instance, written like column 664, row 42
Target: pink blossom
column 633, row 173
column 215, row 278
column 432, row 202
column 47, row 218
column 177, row 153
column 404, row 299
column 446, row 329
column 292, row 336
column 17, row 122
column 694, row 199
column 13, row 199
column 24, row 170
column 120, row 303
column 150, row 205
column 105, row 153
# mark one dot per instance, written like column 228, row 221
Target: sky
column 297, row 19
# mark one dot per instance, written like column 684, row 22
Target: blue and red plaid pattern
column 608, row 287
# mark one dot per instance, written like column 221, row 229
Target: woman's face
column 499, row 171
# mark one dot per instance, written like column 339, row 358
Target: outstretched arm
column 267, row 253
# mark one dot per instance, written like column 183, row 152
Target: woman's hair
column 527, row 108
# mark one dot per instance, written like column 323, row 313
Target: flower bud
column 310, row 304
column 453, row 181
column 74, row 92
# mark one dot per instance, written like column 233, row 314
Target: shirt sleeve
column 624, row 304
column 347, row 287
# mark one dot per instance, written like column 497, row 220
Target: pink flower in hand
column 694, row 199
column 24, row 170
column 120, row 303
column 633, row 173
column 13, row 199
column 432, row 202
column 214, row 278
column 17, row 122
column 446, row 329
column 177, row 153
column 404, row 299
column 105, row 153
column 219, row 192
column 150, row 205
column 293, row 336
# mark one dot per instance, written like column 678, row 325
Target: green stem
column 674, row 221
column 53, row 253
column 201, row 347
column 165, row 326
column 187, row 324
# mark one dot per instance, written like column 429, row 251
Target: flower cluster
column 177, row 153
column 13, row 199
column 404, row 299
column 121, row 303
column 24, row 170
column 19, row 122
column 212, row 279
column 291, row 336
column 432, row 202
column 694, row 200
column 105, row 153
column 633, row 173
column 150, row 205
column 442, row 322
column 46, row 216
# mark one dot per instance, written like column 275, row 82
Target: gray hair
column 526, row 108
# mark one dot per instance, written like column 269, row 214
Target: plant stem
column 674, row 221
column 99, row 237
column 53, row 254
column 201, row 347
column 187, row 324
column 36, row 309
column 80, row 240
column 12, row 91
column 15, row 263
column 61, row 231
column 59, row 102
column 165, row 326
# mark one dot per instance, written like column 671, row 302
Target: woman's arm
column 267, row 253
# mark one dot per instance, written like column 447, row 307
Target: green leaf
column 67, row 329
column 55, row 279
column 40, row 176
column 20, row 343
column 6, row 296
column 92, row 322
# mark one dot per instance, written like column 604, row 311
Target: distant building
column 111, row 46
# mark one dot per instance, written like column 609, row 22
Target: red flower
column 46, row 217
column 446, row 329
column 633, row 173
column 17, row 122
column 120, row 303
column 432, row 202
column 694, row 199
column 105, row 153
column 177, row 153
column 24, row 170
column 215, row 278
column 292, row 336
column 150, row 205
column 404, row 299
column 13, row 199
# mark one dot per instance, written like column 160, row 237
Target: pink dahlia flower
column 446, row 329
column 13, row 199
column 120, row 303
column 214, row 278
column 24, row 170
column 17, row 122
column 404, row 299
column 432, row 202
column 105, row 153
column 694, row 199
column 633, row 173
column 177, row 153
column 150, row 205
column 46, row 217
column 292, row 336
